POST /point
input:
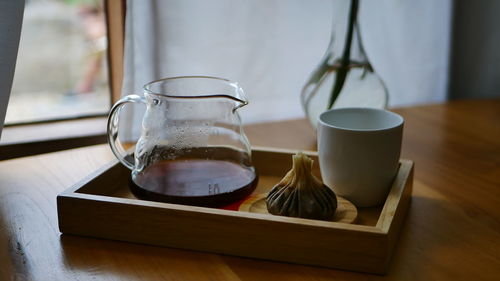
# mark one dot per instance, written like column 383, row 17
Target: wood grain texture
column 451, row 232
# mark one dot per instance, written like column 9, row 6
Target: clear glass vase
column 362, row 86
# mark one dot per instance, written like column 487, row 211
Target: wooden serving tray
column 101, row 205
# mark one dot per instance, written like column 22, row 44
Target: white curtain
column 271, row 46
column 408, row 43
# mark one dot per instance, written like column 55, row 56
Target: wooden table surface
column 452, row 230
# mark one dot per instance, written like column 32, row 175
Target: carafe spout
column 239, row 98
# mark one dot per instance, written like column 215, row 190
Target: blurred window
column 61, row 69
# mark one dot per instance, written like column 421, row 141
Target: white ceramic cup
column 359, row 152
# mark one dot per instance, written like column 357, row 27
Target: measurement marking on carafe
column 213, row 188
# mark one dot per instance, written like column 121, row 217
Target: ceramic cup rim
column 398, row 119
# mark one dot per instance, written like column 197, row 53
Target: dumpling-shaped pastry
column 300, row 194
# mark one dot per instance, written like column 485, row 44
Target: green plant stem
column 344, row 61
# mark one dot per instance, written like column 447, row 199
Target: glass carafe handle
column 113, row 121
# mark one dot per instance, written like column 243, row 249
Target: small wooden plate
column 346, row 211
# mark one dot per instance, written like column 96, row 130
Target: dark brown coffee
column 211, row 183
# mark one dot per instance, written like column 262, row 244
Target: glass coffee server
column 192, row 148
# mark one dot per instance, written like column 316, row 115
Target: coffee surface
column 194, row 182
